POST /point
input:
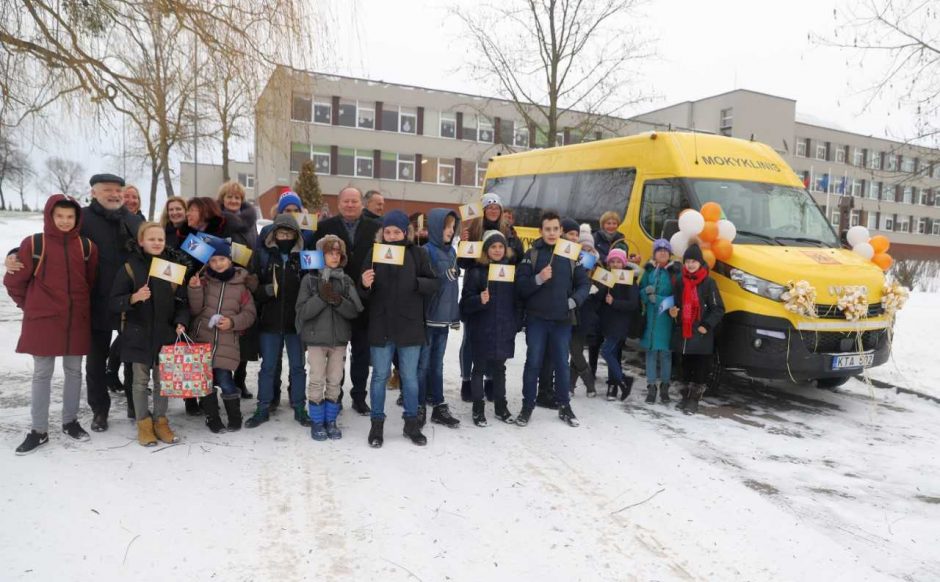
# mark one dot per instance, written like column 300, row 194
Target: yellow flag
column 167, row 271
column 471, row 211
column 241, row 254
column 568, row 249
column 471, row 249
column 623, row 276
column 502, row 273
column 604, row 277
column 388, row 254
column 305, row 220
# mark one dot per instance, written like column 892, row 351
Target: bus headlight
column 756, row 285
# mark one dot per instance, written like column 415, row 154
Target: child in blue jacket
column 657, row 285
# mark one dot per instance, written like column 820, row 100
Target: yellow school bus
column 782, row 236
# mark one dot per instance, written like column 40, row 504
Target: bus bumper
column 770, row 347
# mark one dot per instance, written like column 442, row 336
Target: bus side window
column 662, row 202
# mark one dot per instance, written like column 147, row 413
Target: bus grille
column 832, row 312
column 834, row 342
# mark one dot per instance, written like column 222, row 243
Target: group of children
column 411, row 308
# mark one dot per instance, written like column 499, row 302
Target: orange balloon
column 880, row 243
column 709, row 258
column 883, row 260
column 711, row 211
column 704, row 245
column 722, row 249
column 709, row 231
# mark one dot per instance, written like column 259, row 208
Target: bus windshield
column 768, row 213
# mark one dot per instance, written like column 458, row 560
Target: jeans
column 96, row 370
column 495, row 369
column 408, row 371
column 272, row 346
column 142, row 375
column 664, row 357
column 43, row 366
column 549, row 338
column 431, row 366
column 225, row 380
column 610, row 351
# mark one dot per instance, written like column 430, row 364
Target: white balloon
column 865, row 250
column 727, row 230
column 679, row 243
column 691, row 222
column 856, row 235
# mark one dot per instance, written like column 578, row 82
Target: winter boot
column 651, row 393
column 479, row 417
column 626, row 386
column 589, row 382
column 161, row 427
column 359, row 405
column 99, row 422
column 664, row 393
column 192, row 406
column 502, row 412
column 465, row 391
column 332, row 411
column 422, row 415
column 210, row 406
column 300, row 415
column 524, row 415
column 317, row 421
column 145, row 434
column 565, row 413
column 441, row 415
column 695, row 394
column 233, row 411
column 33, row 441
column 488, row 389
column 259, row 417
column 684, row 393
column 611, row 390
column 412, row 431
column 375, row 433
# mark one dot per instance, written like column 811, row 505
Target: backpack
column 39, row 240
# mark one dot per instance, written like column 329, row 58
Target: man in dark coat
column 358, row 233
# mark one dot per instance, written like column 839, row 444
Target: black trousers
column 96, row 371
column 359, row 360
column 494, row 369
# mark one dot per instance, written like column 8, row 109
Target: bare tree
column 552, row 57
column 65, row 175
column 227, row 98
column 14, row 166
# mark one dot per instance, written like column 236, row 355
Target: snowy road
column 782, row 483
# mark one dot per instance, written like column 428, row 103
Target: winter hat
column 694, row 252
column 586, row 238
column 396, row 218
column 569, row 224
column 493, row 236
column 221, row 247
column 331, row 242
column 617, row 254
column 287, row 198
column 622, row 245
column 661, row 244
column 492, row 198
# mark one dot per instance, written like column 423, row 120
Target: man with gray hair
column 374, row 204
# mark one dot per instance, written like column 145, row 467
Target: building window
column 907, row 165
column 364, row 162
column 904, row 224
column 299, row 153
column 872, row 220
column 892, row 163
column 321, row 159
column 936, row 227
column 840, row 155
column 445, row 171
column 820, row 151
column 469, row 127
column 506, row 129
column 301, row 108
column 347, row 113
column 346, row 162
column 936, row 170
column 801, row 149
column 390, row 118
column 520, row 136
column 246, row 180
column 429, row 170
column 922, row 226
column 365, row 118
column 485, row 131
column 874, row 190
column 887, row 223
column 856, row 188
column 924, row 197
column 834, row 217
column 448, row 125
column 481, row 175
column 859, row 158
column 726, row 118
column 856, row 217
column 559, row 138
column 875, row 162
column 406, row 167
column 388, row 169
column 908, row 195
column 322, row 112
column 408, row 120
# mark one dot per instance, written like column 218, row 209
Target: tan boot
column 394, row 381
column 145, row 435
column 163, row 430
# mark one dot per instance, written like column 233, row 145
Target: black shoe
column 441, row 415
column 524, row 415
column 479, row 417
column 651, row 393
column 502, row 412
column 412, row 431
column 488, row 390
column 611, row 390
column 375, row 433
column 75, row 430
column 360, row 406
column 215, row 424
column 33, row 441
column 546, row 400
column 234, row 413
column 565, row 413
column 257, row 419
column 400, row 401
column 99, row 422
column 588, row 379
column 243, row 391
column 626, row 387
column 192, row 406
column 664, row 393
column 422, row 415
column 465, row 391
column 114, row 382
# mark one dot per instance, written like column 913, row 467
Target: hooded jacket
column 443, row 308
column 550, row 299
column 277, row 301
column 56, row 302
column 230, row 298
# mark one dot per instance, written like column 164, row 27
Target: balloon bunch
column 708, row 230
column 873, row 248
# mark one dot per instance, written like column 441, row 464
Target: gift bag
column 186, row 369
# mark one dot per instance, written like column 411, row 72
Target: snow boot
column 375, row 433
column 524, row 415
column 565, row 413
column 317, row 421
column 651, row 393
column 611, row 390
column 626, row 387
column 412, row 431
column 465, row 391
column 165, row 434
column 502, row 412
column 488, row 389
column 192, row 406
column 33, row 441
column 145, row 434
column 684, row 393
column 332, row 412
column 233, row 411
column 441, row 415
column 422, row 415
column 258, row 418
column 360, row 407
column 300, row 415
column 664, row 393
column 695, row 394
column 210, row 406
column 479, row 417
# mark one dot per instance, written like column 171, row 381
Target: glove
column 650, row 290
column 328, row 294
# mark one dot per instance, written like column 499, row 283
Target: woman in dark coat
column 241, row 217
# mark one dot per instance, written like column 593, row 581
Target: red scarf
column 691, row 308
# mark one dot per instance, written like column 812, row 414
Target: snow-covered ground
column 782, row 483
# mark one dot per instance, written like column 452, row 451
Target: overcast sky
column 702, row 48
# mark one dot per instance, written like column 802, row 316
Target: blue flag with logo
column 310, row 260
column 197, row 248
column 824, row 183
column 587, row 260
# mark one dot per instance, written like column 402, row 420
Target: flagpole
column 828, row 191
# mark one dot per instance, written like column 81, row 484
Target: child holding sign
column 619, row 305
column 488, row 305
column 154, row 312
column 656, row 287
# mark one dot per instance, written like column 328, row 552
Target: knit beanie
column 492, row 198
column 396, row 218
column 221, row 247
column 617, row 254
column 493, row 236
column 694, row 252
column 331, row 242
column 288, row 198
column 661, row 244
column 586, row 238
column 569, row 224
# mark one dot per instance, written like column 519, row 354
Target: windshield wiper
column 764, row 237
column 802, row 239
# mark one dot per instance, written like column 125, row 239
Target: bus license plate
column 849, row 361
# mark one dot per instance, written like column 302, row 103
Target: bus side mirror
column 670, row 227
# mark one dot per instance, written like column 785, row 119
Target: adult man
column 358, row 233
column 375, row 205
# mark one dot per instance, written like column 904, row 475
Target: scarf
column 224, row 276
column 691, row 307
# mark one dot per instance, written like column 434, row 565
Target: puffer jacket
column 550, row 299
column 277, row 310
column 443, row 308
column 230, row 298
column 657, row 335
column 318, row 322
column 491, row 328
column 712, row 310
column 617, row 317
